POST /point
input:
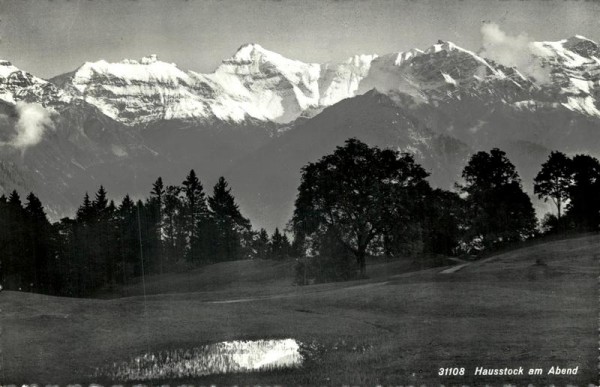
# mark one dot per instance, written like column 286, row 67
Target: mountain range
column 259, row 117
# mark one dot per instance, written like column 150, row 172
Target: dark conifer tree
column 69, row 271
column 5, row 260
column 101, row 201
column 174, row 224
column 155, row 218
column 230, row 227
column 261, row 245
column 85, row 211
column 38, row 243
column 128, row 239
column 196, row 214
column 144, row 231
column 83, row 246
column 280, row 245
column 18, row 261
column 100, row 237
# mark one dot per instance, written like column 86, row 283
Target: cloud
column 33, row 121
column 513, row 51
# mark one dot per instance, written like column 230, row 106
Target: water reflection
column 219, row 358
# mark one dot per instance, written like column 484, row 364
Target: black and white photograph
column 299, row 193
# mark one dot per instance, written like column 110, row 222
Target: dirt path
column 454, row 269
column 462, row 264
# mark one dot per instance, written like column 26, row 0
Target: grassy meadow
column 400, row 326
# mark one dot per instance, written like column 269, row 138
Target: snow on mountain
column 254, row 83
column 259, row 84
column 341, row 81
column 575, row 72
column 446, row 71
column 18, row 85
column 135, row 92
column 438, row 103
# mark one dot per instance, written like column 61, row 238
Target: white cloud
column 33, row 121
column 513, row 51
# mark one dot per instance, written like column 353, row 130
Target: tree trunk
column 360, row 259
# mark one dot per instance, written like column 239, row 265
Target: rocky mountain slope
column 260, row 116
column 253, row 84
column 267, row 180
column 259, row 84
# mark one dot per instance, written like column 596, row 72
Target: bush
column 552, row 225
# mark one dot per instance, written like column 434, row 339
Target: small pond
column 218, row 358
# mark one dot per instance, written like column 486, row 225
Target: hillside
column 397, row 327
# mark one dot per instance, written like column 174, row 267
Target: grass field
column 398, row 327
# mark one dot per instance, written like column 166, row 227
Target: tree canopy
column 500, row 211
column 554, row 179
column 355, row 193
column 356, row 202
column 584, row 192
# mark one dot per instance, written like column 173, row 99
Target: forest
column 355, row 203
column 105, row 244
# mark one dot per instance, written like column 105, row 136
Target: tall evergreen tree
column 103, row 239
column 85, row 212
column 4, row 239
column 280, row 245
column 174, row 224
column 145, row 231
column 155, row 206
column 38, row 243
column 69, row 268
column 230, row 226
column 261, row 245
column 101, row 201
column 84, row 247
column 128, row 239
column 196, row 214
column 18, row 262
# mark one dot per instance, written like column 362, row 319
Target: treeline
column 363, row 201
column 355, row 203
column 175, row 228
column 574, row 184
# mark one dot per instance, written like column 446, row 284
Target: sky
column 48, row 38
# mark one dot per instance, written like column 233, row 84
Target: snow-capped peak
column 448, row 46
column 7, row 68
column 581, row 37
column 146, row 60
column 149, row 59
column 249, row 52
column 18, row 85
column 407, row 55
column 148, row 69
column 254, row 55
column 361, row 60
column 261, row 84
column 442, row 45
